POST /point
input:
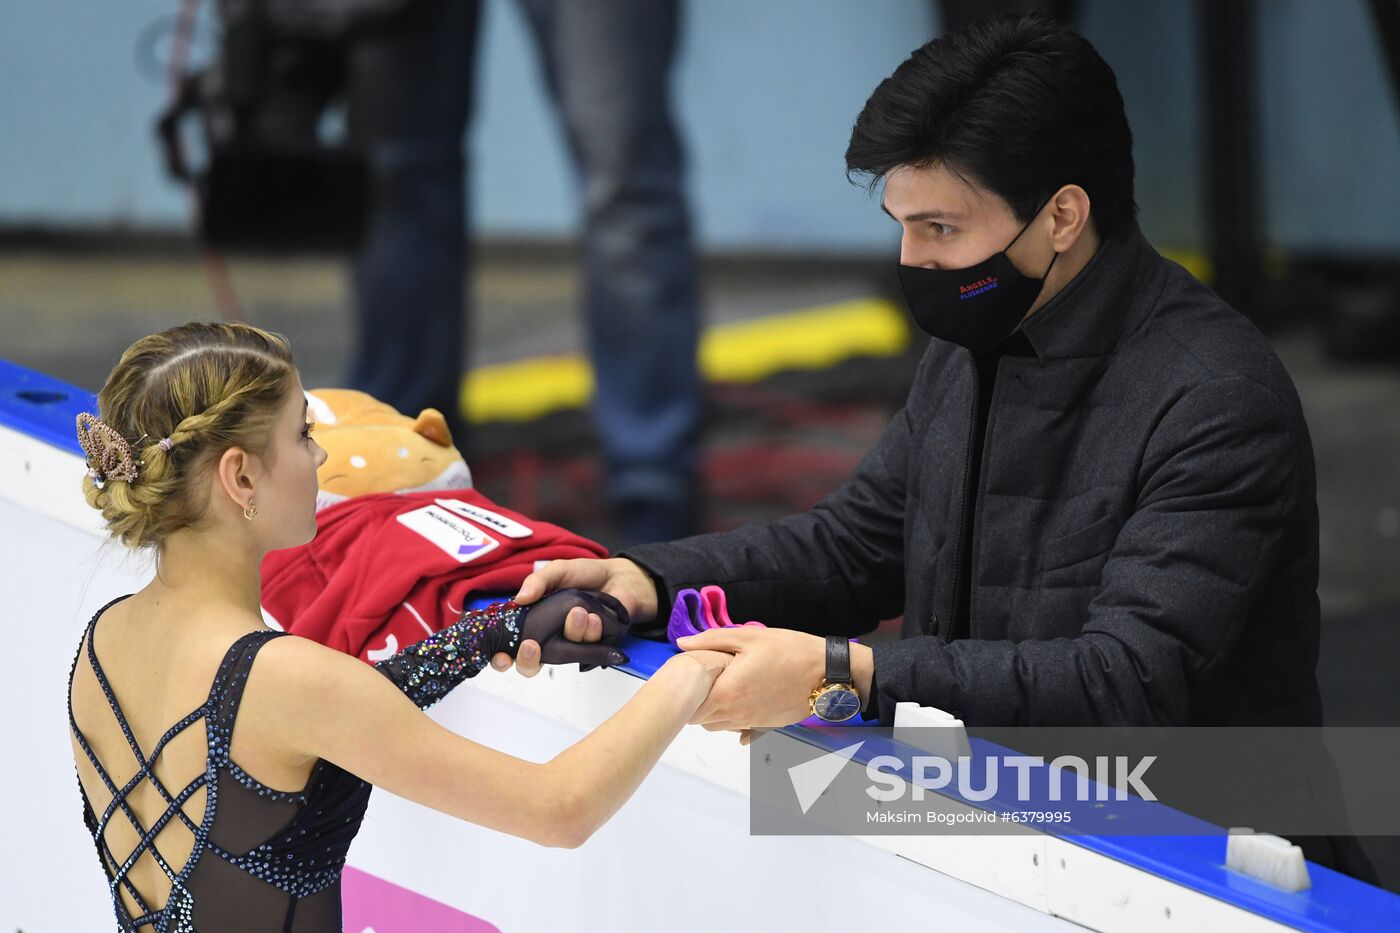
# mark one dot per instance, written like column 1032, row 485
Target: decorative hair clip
column 108, row 453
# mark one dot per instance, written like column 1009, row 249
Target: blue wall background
column 766, row 92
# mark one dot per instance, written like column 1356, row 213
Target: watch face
column 837, row 705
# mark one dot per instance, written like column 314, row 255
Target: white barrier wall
column 678, row 856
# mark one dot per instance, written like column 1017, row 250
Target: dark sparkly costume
column 270, row 860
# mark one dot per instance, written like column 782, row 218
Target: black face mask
column 977, row 307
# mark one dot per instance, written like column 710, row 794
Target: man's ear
column 1069, row 216
column 236, row 475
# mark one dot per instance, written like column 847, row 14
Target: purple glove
column 687, row 616
column 696, row 611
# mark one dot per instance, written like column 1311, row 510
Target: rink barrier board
column 1086, row 879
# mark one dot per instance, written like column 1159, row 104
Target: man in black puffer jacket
column 1097, row 506
column 1139, row 545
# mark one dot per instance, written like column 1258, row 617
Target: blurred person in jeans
column 607, row 67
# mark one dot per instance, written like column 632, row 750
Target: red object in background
column 770, row 452
column 384, row 571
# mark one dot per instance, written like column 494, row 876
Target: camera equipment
column 274, row 177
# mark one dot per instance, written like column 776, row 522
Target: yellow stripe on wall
column 526, row 390
column 816, row 338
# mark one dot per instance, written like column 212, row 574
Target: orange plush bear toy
column 403, row 545
column 372, row 448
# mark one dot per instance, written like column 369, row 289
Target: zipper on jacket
column 962, row 506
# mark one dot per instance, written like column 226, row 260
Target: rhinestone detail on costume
column 306, row 856
column 428, row 670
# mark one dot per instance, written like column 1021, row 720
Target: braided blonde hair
column 180, row 398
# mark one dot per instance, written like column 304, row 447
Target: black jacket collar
column 1106, row 301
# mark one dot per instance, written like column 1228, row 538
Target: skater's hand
column 712, row 663
column 618, row 577
column 769, row 682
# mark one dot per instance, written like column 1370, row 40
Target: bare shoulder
column 309, row 684
column 296, row 665
column 294, row 649
column 302, row 699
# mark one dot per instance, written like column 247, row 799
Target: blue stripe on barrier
column 42, row 406
column 1336, row 902
column 45, row 408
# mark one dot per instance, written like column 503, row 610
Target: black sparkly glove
column 428, row 670
column 545, row 624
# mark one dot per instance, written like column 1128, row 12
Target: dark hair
column 1019, row 104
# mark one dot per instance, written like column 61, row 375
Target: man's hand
column 713, row 663
column 769, row 682
column 618, row 577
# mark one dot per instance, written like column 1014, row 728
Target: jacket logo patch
column 455, row 536
column 487, row 519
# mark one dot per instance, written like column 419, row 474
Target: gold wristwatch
column 836, row 700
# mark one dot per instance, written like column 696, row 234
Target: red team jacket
column 387, row 570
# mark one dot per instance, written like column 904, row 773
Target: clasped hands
column 768, row 673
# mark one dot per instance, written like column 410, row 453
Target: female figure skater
column 225, row 767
